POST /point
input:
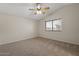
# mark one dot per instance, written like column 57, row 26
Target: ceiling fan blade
column 46, row 8
column 31, row 9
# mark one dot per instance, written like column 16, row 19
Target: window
column 54, row 25
column 57, row 25
column 48, row 25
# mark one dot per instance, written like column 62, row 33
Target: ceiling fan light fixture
column 39, row 9
column 39, row 12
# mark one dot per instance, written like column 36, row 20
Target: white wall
column 13, row 28
column 70, row 18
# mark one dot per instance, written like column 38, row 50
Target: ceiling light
column 39, row 12
column 39, row 9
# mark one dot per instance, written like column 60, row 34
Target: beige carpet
column 39, row 47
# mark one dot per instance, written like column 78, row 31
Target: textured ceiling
column 22, row 9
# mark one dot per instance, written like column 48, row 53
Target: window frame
column 52, row 25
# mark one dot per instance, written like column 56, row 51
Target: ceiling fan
column 39, row 8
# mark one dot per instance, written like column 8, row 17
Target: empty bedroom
column 39, row 29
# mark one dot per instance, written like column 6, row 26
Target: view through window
column 53, row 25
